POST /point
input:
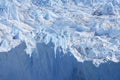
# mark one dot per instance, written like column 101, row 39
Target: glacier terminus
column 52, row 37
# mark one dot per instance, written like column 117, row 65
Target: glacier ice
column 42, row 65
column 89, row 29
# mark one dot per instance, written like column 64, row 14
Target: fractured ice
column 89, row 29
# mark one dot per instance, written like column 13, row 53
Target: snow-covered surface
column 89, row 29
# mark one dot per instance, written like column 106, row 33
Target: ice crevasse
column 88, row 29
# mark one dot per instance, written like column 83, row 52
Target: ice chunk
column 106, row 9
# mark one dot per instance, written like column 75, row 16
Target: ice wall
column 42, row 65
column 89, row 29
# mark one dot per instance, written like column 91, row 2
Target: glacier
column 17, row 65
column 43, row 32
column 89, row 29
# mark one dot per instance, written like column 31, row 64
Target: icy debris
column 89, row 29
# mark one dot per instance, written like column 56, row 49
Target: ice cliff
column 87, row 29
column 42, row 65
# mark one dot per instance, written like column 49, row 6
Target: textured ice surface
column 89, row 29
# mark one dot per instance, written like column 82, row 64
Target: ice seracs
column 88, row 29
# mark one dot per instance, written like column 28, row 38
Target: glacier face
column 42, row 65
column 89, row 29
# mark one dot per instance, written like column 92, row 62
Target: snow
column 89, row 29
